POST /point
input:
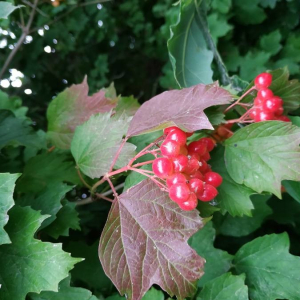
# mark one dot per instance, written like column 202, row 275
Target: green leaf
column 48, row 201
column 97, row 141
column 242, row 226
column 73, row 107
column 7, row 186
column 268, row 3
column 15, row 132
column 271, row 42
column 223, row 6
column 215, row 115
column 6, row 9
column 248, row 12
column 271, row 271
column 134, row 178
column 190, row 58
column 43, row 265
column 154, row 294
column 47, row 168
column 66, row 218
column 233, row 197
column 217, row 261
column 263, row 154
column 65, row 292
column 127, row 105
column 13, row 104
column 293, row 188
column 225, row 287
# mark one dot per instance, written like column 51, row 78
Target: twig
column 82, row 179
column 20, row 41
column 37, row 9
column 99, row 196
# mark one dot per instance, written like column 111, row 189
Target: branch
column 37, row 9
column 100, row 196
column 20, row 41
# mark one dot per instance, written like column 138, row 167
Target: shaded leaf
column 248, row 12
column 232, row 197
column 71, row 108
column 271, row 42
column 182, row 108
column 127, row 105
column 47, row 168
column 97, row 141
column 13, row 104
column 263, row 154
column 271, row 271
column 144, row 242
column 7, row 8
column 43, row 265
column 217, row 261
column 241, row 226
column 293, row 188
column 7, row 186
column 65, row 292
column 225, row 287
column 190, row 58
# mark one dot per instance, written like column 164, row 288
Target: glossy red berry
column 202, row 165
column 253, row 113
column 213, row 179
column 162, row 167
column 190, row 203
column 272, row 104
column 193, row 165
column 196, row 185
column 197, row 147
column 179, row 192
column 263, row 80
column 208, row 194
column 210, row 144
column 198, row 175
column 258, row 102
column 279, row 111
column 170, row 148
column 206, row 156
column 169, row 129
column 176, row 178
column 263, row 116
column 178, row 136
column 180, row 163
column 265, row 94
column 283, row 118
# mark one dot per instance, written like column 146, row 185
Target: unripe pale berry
column 162, row 167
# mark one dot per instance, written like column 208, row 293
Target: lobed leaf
column 271, row 271
column 181, row 108
column 97, row 141
column 144, row 242
column 73, row 107
column 7, row 186
column 263, row 154
column 29, row 265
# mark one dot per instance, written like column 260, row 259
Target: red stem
column 117, row 154
column 143, row 163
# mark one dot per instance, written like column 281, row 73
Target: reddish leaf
column 73, row 107
column 183, row 108
column 144, row 242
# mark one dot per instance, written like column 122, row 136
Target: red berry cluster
column 267, row 106
column 185, row 168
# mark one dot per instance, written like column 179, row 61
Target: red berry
column 178, row 136
column 162, row 167
column 184, row 150
column 170, row 148
column 273, row 104
column 208, row 169
column 198, row 175
column 179, row 192
column 209, row 193
column 258, row 102
column 265, row 94
column 196, row 185
column 193, row 165
column 175, row 178
column 169, row 129
column 263, row 80
column 279, row 111
column 253, row 113
column 197, row 147
column 263, row 116
column 206, row 156
column 210, row 144
column 203, row 165
column 213, row 179
column 180, row 163
column 188, row 134
column 190, row 203
column 284, row 119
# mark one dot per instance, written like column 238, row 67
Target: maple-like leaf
column 182, row 108
column 144, row 242
column 71, row 108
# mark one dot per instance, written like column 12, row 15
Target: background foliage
column 126, row 43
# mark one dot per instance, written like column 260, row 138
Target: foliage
column 57, row 184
